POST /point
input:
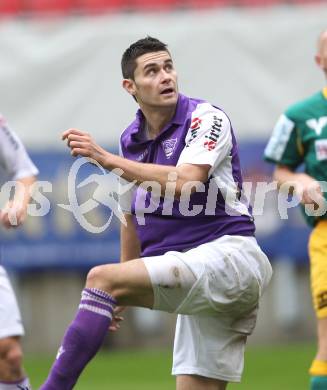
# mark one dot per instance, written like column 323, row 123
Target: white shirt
column 15, row 163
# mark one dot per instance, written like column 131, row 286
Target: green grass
column 266, row 368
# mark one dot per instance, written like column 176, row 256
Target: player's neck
column 156, row 120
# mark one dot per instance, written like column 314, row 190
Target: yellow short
column 318, row 262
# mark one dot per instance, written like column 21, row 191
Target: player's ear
column 318, row 60
column 129, row 86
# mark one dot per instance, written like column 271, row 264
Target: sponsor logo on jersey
column 214, row 133
column 321, row 149
column 169, row 146
column 317, row 124
column 195, row 127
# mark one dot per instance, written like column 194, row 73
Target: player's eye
column 150, row 72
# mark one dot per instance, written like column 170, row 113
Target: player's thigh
column 195, row 382
column 211, row 279
column 128, row 282
column 172, row 280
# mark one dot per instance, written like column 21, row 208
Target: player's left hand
column 82, row 144
column 12, row 215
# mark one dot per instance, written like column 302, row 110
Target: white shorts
column 215, row 289
column 10, row 319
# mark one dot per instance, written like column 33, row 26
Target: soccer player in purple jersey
column 16, row 166
column 188, row 246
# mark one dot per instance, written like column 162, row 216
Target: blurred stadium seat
column 39, row 7
column 91, row 6
column 197, row 4
column 148, row 5
column 48, row 6
column 303, row 2
column 10, row 7
column 259, row 3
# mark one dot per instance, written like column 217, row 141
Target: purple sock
column 82, row 340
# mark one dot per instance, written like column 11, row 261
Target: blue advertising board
column 82, row 231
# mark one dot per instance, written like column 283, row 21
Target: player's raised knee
column 102, row 277
column 95, row 277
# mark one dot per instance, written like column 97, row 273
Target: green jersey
column 300, row 136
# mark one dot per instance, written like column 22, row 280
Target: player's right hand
column 82, row 144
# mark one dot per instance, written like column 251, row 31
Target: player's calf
column 82, row 340
column 105, row 284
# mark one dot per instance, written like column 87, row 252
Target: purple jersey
column 199, row 133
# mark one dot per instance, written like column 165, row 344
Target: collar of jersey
column 178, row 118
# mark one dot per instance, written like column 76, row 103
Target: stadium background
column 60, row 68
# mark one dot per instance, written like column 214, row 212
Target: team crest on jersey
column 169, row 146
column 211, row 139
column 321, row 149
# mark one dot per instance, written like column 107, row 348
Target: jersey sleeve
column 209, row 138
column 13, row 156
column 284, row 144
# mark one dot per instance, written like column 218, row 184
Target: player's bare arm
column 15, row 211
column 305, row 187
column 130, row 247
column 82, row 144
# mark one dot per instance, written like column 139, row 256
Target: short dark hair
column 137, row 49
